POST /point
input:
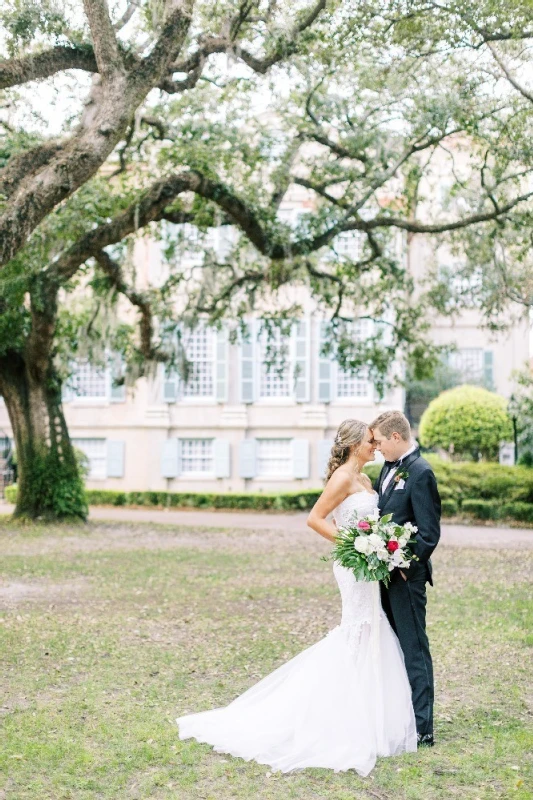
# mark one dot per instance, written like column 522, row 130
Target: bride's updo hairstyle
column 350, row 435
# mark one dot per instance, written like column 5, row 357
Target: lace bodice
column 355, row 506
column 359, row 599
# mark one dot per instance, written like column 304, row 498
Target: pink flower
column 363, row 525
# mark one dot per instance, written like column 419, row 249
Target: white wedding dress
column 338, row 704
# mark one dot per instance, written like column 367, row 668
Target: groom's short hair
column 390, row 422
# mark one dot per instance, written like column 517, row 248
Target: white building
column 236, row 425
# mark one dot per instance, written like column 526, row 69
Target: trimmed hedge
column 482, row 490
column 492, row 509
column 449, row 508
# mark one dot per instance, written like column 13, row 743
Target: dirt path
column 452, row 534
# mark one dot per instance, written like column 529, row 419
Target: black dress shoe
column 425, row 740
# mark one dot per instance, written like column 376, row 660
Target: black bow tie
column 392, row 464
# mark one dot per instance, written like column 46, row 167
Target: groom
column 408, row 490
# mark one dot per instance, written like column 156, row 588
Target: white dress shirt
column 390, row 474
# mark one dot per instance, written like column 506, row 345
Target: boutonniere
column 401, row 475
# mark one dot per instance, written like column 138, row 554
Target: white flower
column 374, row 515
column 398, row 559
column 375, row 541
column 410, row 527
column 362, row 545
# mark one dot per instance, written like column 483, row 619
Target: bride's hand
column 404, row 576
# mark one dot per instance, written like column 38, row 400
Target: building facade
column 251, row 417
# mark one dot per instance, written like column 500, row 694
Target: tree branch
column 512, row 80
column 148, row 209
column 285, row 46
column 113, row 271
column 16, row 71
column 132, row 6
column 152, row 205
column 25, row 164
column 105, row 43
column 168, row 46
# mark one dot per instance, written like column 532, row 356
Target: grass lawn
column 109, row 631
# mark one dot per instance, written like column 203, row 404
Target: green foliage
column 449, row 508
column 420, row 392
column 493, row 509
column 25, row 20
column 460, row 486
column 82, row 460
column 10, row 493
column 521, row 409
column 466, row 421
column 53, row 488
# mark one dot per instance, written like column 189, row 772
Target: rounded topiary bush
column 467, row 421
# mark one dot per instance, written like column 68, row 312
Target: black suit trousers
column 404, row 602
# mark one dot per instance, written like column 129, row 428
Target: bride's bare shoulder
column 342, row 477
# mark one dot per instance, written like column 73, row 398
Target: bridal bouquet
column 373, row 547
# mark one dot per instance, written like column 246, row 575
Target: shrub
column 449, row 508
column 482, row 509
column 10, row 493
column 468, row 420
column 520, row 511
column 97, row 497
column 483, row 490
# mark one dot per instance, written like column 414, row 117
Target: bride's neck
column 354, row 465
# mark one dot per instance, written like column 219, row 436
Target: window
column 276, row 365
column 274, row 458
column 199, row 351
column 469, row 362
column 349, row 245
column 353, row 385
column 89, row 381
column 349, row 384
column 95, row 450
column 197, row 456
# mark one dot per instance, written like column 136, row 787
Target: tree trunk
column 49, row 481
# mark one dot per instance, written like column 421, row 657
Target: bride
column 346, row 699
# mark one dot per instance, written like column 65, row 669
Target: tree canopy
column 391, row 120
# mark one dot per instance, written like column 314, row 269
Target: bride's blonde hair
column 350, row 435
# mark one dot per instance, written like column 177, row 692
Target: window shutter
column 324, row 452
column 115, row 458
column 248, row 458
column 248, row 365
column 221, row 366
column 221, row 457
column 324, row 368
column 170, row 385
column 117, row 394
column 301, row 361
column 170, row 458
column 300, row 458
column 488, row 369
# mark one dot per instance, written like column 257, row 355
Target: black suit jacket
column 417, row 502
